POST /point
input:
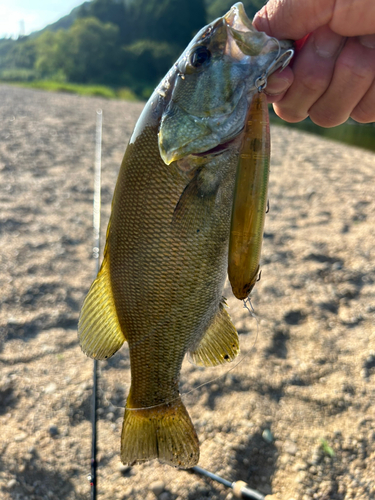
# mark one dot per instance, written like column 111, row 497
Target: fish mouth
column 222, row 147
column 244, row 41
column 283, row 58
column 241, row 27
column 280, row 62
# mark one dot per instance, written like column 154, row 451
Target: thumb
column 293, row 18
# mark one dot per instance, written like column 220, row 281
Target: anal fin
column 99, row 330
column 219, row 344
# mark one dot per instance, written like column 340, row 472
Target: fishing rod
column 95, row 254
column 240, row 488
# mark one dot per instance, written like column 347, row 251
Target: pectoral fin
column 196, row 205
column 219, row 344
column 99, row 330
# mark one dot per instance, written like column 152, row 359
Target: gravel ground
column 295, row 418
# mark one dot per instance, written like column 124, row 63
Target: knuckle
column 289, row 114
column 314, row 83
column 327, row 118
column 354, row 68
column 363, row 114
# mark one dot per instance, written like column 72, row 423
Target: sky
column 35, row 14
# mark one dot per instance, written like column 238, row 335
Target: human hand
column 332, row 75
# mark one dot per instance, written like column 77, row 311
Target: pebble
column 11, row 483
column 219, row 440
column 123, row 469
column 284, row 459
column 53, row 430
column 20, row 437
column 50, row 388
column 157, row 487
column 164, row 496
column 301, row 476
column 267, row 436
column 300, row 466
column 128, row 492
column 290, row 448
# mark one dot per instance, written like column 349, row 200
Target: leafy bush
column 18, row 75
column 126, row 94
column 72, row 88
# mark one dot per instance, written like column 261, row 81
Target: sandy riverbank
column 308, row 375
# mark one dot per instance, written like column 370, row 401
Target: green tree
column 115, row 42
column 87, row 52
column 172, row 21
column 145, row 63
column 17, row 53
column 109, row 11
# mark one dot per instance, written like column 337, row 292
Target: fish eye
column 200, row 56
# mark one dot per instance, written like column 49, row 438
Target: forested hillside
column 120, row 43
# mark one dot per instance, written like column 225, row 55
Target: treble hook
column 261, row 81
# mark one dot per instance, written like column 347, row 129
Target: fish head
column 208, row 90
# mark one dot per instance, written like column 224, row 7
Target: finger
column 353, row 75
column 364, row 112
column 295, row 18
column 278, row 83
column 313, row 69
column 353, row 18
column 367, row 41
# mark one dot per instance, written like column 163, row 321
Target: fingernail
column 327, row 43
column 367, row 41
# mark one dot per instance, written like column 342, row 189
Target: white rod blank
column 97, row 183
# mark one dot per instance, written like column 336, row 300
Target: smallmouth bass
column 166, row 255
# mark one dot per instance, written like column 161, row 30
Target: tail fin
column 164, row 432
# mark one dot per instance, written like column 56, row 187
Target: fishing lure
column 250, row 200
